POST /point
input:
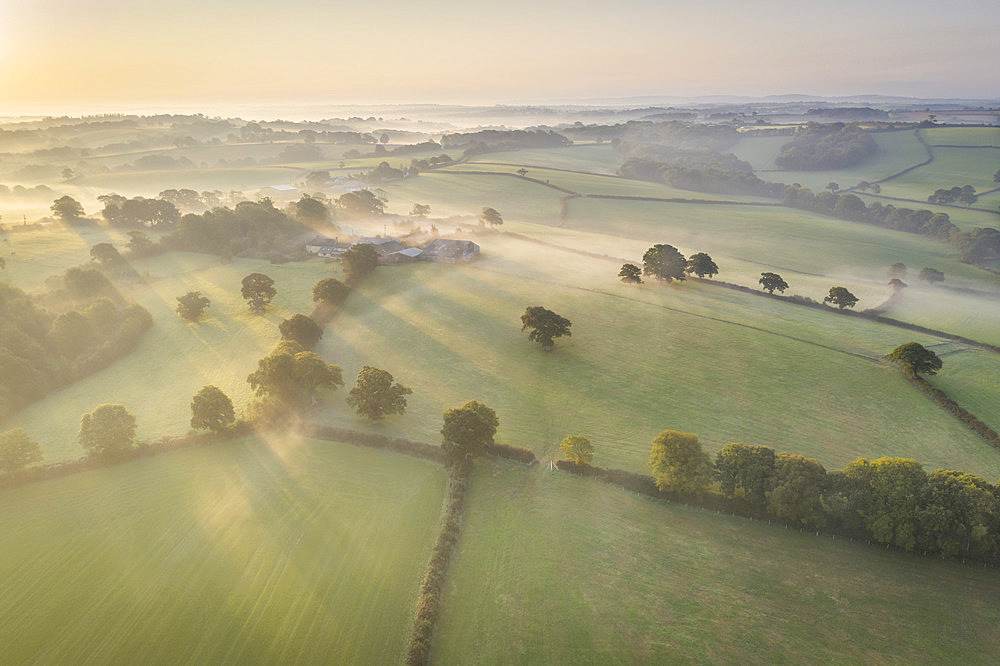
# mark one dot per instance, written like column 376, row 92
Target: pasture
column 553, row 568
column 277, row 550
column 951, row 167
column 970, row 378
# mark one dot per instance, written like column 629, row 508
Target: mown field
column 951, row 167
column 971, row 378
column 273, row 550
column 697, row 358
column 557, row 569
column 176, row 358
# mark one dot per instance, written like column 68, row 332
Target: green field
column 599, row 158
column 962, row 136
column 556, row 569
column 951, row 167
column 970, row 377
column 176, row 358
column 693, row 357
column 270, row 550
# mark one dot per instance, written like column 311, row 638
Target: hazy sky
column 87, row 53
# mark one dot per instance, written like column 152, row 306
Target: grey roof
column 410, row 252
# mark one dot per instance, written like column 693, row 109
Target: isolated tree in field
column 384, row 138
column 897, row 284
column 420, row 210
column 897, row 270
column 545, row 326
column 330, row 290
column 360, row 203
column 258, row 290
column 491, row 217
column 468, row 430
column 67, row 208
column 290, row 375
column 375, row 396
column 630, row 274
column 307, row 209
column 107, row 431
column 211, row 409
column 522, row 172
column 664, row 262
column 679, row 463
column 359, row 260
column 931, row 275
column 840, row 297
column 17, row 451
column 301, row 329
column 915, row 359
column 750, row 468
column 578, row 449
column 192, row 305
column 798, row 488
column 701, row 265
column 833, row 187
column 106, row 254
column 771, row 281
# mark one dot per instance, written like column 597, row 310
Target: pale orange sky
column 106, row 52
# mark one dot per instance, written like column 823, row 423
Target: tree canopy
column 679, row 463
column 545, row 326
column 491, row 217
column 67, row 208
column 211, row 409
column 578, row 449
column 468, row 430
column 630, row 274
column 330, row 290
column 17, row 451
column 420, row 210
column 931, row 275
column 375, row 396
column 664, row 262
column 301, row 329
column 840, row 297
column 359, row 260
column 771, row 281
column 191, row 305
column 258, row 290
column 701, row 265
column 292, row 375
column 107, row 431
column 915, row 359
column 106, row 254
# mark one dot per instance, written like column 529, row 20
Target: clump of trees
column 915, row 359
column 965, row 194
column 107, row 432
column 822, row 146
column 545, row 326
column 139, row 211
column 374, row 395
column 289, row 379
column 359, row 260
column 250, row 229
column 664, row 262
column 192, row 305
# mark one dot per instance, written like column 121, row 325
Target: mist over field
column 492, row 333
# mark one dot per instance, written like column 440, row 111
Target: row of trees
column 665, row 262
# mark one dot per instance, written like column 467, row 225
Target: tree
column 522, row 172
column 771, row 281
column 840, row 297
column 798, row 488
column 374, row 395
column 67, row 209
column 291, row 375
column 384, row 138
column 931, row 275
column 107, row 431
column 359, row 260
column 467, row 431
column 138, row 242
column 630, row 274
column 420, row 210
column 361, row 203
column 192, row 305
column 578, row 449
column 106, row 254
column 890, row 507
column 545, row 326
column 308, row 209
column 258, row 290
column 750, row 468
column 897, row 270
column 897, row 284
column 959, row 514
column 211, row 409
column 679, row 463
column 491, row 217
column 664, row 262
column 915, row 359
column 17, row 451
column 330, row 290
column 701, row 265
column 301, row 329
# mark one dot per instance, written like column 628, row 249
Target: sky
column 89, row 55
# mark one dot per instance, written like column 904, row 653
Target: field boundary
column 974, row 423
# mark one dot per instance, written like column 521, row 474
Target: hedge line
column 374, row 440
column 959, row 412
column 515, row 453
column 429, row 602
column 140, row 450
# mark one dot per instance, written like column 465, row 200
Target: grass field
column 556, row 569
column 598, row 158
column 251, row 551
column 972, row 315
column 951, row 167
column 175, row 358
column 970, row 377
column 692, row 357
column 962, row 136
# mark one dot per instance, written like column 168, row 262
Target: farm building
column 385, row 246
column 326, row 247
column 406, row 256
column 450, row 250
